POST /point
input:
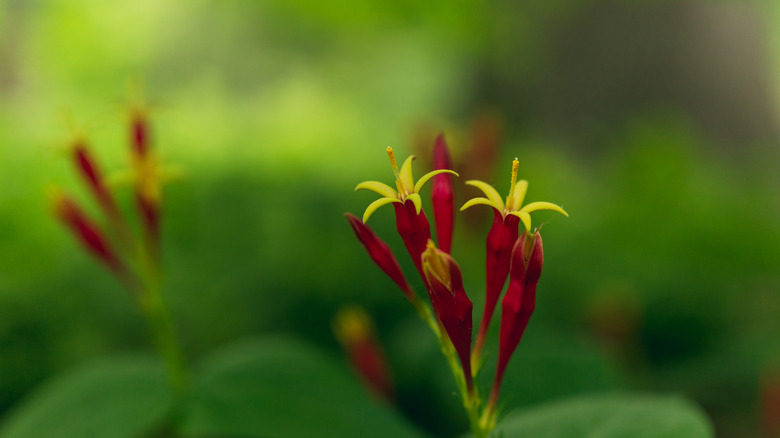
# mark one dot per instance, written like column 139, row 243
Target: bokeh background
column 654, row 124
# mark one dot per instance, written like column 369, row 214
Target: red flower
column 86, row 231
column 357, row 336
column 381, row 254
column 450, row 303
column 520, row 299
column 410, row 219
column 501, row 238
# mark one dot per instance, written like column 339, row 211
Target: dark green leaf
column 117, row 398
column 613, row 416
column 284, row 388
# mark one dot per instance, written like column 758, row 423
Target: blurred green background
column 653, row 123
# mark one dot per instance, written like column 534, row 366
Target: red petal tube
column 443, row 195
column 149, row 211
column 500, row 240
column 91, row 174
column 87, row 233
column 451, row 304
column 139, row 134
column 414, row 229
column 520, row 299
column 380, row 253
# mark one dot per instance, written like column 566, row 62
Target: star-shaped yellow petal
column 514, row 202
column 405, row 185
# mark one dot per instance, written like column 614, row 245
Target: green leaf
column 116, row 398
column 612, row 416
column 280, row 387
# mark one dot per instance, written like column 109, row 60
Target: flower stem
column 165, row 340
column 154, row 308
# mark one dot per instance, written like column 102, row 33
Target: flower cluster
column 134, row 261
column 114, row 245
column 510, row 254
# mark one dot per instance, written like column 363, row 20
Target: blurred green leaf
column 614, row 416
column 280, row 387
column 114, row 398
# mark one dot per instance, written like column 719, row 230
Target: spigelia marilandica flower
column 502, row 236
column 518, row 304
column 356, row 333
column 450, row 303
column 410, row 219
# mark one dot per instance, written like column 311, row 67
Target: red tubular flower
column 87, row 232
column 355, row 332
column 450, row 303
column 501, row 238
column 381, row 254
column 443, row 195
column 519, row 301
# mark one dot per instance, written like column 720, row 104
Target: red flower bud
column 450, row 303
column 89, row 171
column 443, row 195
column 520, row 299
column 770, row 404
column 357, row 336
column 380, row 253
column 139, row 133
column 85, row 231
column 500, row 240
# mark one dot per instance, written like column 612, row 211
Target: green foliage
column 616, row 416
column 280, row 387
column 117, row 398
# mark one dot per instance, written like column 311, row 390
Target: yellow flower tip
column 352, row 324
column 515, row 166
column 436, row 265
column 55, row 196
column 391, row 155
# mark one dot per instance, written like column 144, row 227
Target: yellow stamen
column 515, row 166
column 398, row 184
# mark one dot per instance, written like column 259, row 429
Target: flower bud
column 381, row 254
column 443, row 195
column 86, row 232
column 450, row 303
column 520, row 299
column 356, row 334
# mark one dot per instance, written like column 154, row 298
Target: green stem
column 160, row 322
column 165, row 339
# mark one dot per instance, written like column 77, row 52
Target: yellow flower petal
column 421, row 182
column 376, row 204
column 525, row 217
column 519, row 195
column 490, row 192
column 483, row 201
column 415, row 198
column 378, row 187
column 534, row 206
column 407, row 181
